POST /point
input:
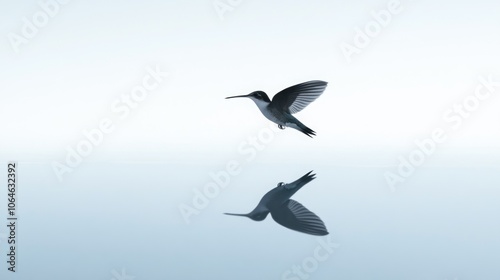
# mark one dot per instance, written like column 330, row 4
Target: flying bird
column 287, row 102
column 288, row 212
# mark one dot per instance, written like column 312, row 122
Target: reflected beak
column 236, row 96
column 241, row 215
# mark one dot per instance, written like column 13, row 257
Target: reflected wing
column 294, row 215
column 297, row 97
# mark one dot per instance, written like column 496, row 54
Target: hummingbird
column 288, row 212
column 287, row 102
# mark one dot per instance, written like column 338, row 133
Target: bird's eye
column 280, row 184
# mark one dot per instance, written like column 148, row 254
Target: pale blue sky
column 65, row 79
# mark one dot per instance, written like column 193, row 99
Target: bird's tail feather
column 304, row 129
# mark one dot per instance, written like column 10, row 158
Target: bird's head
column 256, row 96
column 258, row 216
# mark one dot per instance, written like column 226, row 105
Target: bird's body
column 287, row 212
column 287, row 102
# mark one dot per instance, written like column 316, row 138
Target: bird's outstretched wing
column 297, row 97
column 294, row 215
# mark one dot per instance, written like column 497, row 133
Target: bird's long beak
column 241, row 215
column 236, row 96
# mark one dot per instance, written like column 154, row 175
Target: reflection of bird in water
column 287, row 102
column 287, row 212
